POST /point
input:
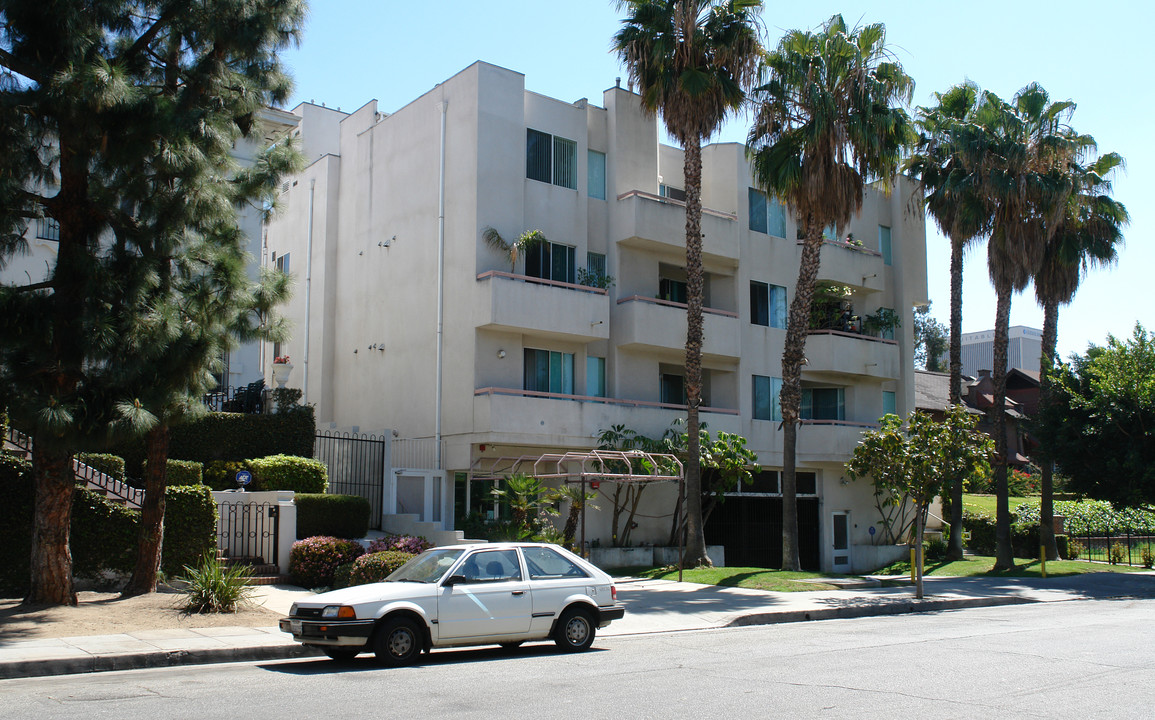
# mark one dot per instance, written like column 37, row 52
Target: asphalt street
column 1074, row 659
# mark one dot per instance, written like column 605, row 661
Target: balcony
column 522, row 416
column 833, row 352
column 651, row 222
column 853, row 265
column 648, row 323
column 827, row 440
column 518, row 303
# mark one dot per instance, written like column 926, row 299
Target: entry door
column 840, row 529
column 411, row 495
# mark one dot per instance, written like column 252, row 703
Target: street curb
column 156, row 659
column 903, row 607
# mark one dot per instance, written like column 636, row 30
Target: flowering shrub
column 375, row 567
column 1092, row 516
column 313, row 561
column 412, row 544
column 281, row 360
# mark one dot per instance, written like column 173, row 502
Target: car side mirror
column 454, row 580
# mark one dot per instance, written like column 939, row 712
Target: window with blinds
column 551, row 159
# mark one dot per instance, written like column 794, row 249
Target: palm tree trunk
column 790, row 397
column 51, row 558
column 695, row 553
column 148, row 546
column 1004, row 555
column 955, row 550
column 1046, row 365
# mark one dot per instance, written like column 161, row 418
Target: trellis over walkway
column 625, row 466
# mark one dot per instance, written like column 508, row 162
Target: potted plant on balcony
column 282, row 366
column 882, row 323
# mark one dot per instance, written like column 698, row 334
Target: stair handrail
column 85, row 472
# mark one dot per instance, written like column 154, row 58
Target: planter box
column 868, row 558
column 612, row 557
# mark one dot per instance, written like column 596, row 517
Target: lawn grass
column 986, row 503
column 744, row 577
column 980, row 566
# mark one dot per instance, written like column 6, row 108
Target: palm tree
column 579, row 499
column 960, row 211
column 1022, row 164
column 692, row 61
column 512, row 250
column 1088, row 235
column 824, row 124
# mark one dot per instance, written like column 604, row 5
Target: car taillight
column 614, row 593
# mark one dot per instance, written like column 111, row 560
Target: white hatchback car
column 492, row 593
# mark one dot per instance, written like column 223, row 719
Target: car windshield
column 428, row 567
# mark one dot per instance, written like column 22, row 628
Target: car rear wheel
column 341, row 654
column 575, row 630
column 398, row 642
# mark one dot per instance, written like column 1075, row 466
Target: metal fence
column 1123, row 547
column 248, row 531
column 253, row 398
column 357, row 463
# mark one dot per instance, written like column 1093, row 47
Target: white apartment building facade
column 534, row 361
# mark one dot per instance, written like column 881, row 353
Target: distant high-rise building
column 1024, row 346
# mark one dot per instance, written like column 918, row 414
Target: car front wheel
column 398, row 642
column 575, row 630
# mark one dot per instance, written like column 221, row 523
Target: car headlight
column 331, row 612
column 293, row 610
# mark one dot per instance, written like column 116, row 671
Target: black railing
column 248, row 531
column 86, row 474
column 251, row 399
column 1117, row 547
column 356, row 465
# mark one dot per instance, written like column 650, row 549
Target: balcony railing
column 594, row 399
column 541, row 281
column 670, row 303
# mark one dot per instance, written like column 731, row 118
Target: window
column 823, row 404
column 763, row 481
column 766, row 392
column 281, row 262
column 767, row 215
column 47, row 229
column 889, row 406
column 884, row 243
column 547, row 371
column 595, row 376
column 490, row 566
column 672, row 290
column 596, row 175
column 767, row 304
column 550, row 261
column 805, row 483
column 672, row 193
column 673, row 390
column 596, row 264
column 549, row 158
column 547, row 564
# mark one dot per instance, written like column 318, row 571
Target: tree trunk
column 51, row 567
column 790, row 397
column 955, row 549
column 695, row 552
column 148, row 546
column 1046, row 365
column 1004, row 554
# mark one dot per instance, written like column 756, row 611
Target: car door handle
column 519, row 592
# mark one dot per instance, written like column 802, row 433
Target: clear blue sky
column 357, row 50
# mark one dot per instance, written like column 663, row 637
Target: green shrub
column 982, row 532
column 1062, row 543
column 289, row 472
column 344, row 516
column 214, row 587
column 341, row 575
column 111, row 465
column 1092, row 517
column 235, row 436
column 1074, row 550
column 15, row 525
column 935, row 549
column 180, row 472
column 1148, row 557
column 377, row 566
column 1118, row 553
column 104, row 535
column 313, row 561
column 222, row 474
column 190, row 527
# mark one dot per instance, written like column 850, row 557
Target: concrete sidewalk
column 653, row 606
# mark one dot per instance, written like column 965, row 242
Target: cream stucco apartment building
column 534, row 361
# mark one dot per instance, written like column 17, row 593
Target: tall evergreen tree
column 113, row 115
column 825, row 122
column 692, row 61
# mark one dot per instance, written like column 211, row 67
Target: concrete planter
column 669, row 555
column 612, row 557
column 868, row 558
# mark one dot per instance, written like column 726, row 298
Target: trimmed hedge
column 344, row 516
column 111, row 465
column 234, row 436
column 314, row 561
column 190, row 527
column 15, row 525
column 289, row 472
column 222, row 474
column 180, row 472
column 1024, row 537
column 375, row 567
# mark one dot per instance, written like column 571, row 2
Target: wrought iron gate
column 248, row 530
column 357, row 464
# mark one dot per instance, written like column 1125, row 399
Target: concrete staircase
column 86, row 476
column 258, row 572
column 410, row 524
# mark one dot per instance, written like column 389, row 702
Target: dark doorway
column 750, row 528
